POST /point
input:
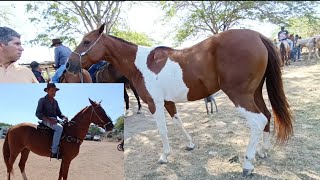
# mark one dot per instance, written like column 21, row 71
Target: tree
column 5, row 125
column 5, row 15
column 120, row 123
column 94, row 130
column 69, row 19
column 212, row 17
column 306, row 26
column 133, row 36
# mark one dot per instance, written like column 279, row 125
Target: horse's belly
column 168, row 84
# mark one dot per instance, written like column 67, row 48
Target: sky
column 141, row 18
column 19, row 101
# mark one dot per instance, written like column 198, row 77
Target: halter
column 84, row 53
column 98, row 117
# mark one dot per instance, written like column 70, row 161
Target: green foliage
column 133, row 36
column 69, row 20
column 5, row 15
column 120, row 123
column 197, row 17
column 305, row 26
column 5, row 125
column 95, row 130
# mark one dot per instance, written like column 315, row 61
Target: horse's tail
column 280, row 106
column 6, row 153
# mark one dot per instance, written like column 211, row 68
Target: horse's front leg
column 159, row 116
column 64, row 169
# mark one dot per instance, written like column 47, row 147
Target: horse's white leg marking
column 24, row 175
column 160, row 119
column 266, row 146
column 257, row 122
column 177, row 120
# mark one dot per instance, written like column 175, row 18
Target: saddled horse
column 68, row 77
column 108, row 74
column 284, row 49
column 26, row 137
column 164, row 76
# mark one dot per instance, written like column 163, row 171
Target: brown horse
column 68, row 77
column 108, row 74
column 25, row 137
column 164, row 76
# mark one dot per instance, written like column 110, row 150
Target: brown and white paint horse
column 164, row 76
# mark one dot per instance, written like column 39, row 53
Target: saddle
column 44, row 129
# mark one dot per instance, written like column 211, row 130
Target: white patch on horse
column 257, row 122
column 177, row 121
column 168, row 84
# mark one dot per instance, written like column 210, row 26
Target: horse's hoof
column 139, row 112
column 190, row 147
column 247, row 173
column 162, row 160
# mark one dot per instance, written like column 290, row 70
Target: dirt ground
column 96, row 161
column 225, row 134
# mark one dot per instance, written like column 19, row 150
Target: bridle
column 84, row 53
column 94, row 111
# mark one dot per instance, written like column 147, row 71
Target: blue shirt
column 61, row 55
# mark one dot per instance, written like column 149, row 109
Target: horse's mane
column 164, row 48
column 78, row 114
column 122, row 40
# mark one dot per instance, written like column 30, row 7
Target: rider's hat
column 51, row 85
column 55, row 41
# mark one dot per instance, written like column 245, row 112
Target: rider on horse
column 47, row 111
column 283, row 36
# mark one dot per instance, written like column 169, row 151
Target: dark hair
column 7, row 34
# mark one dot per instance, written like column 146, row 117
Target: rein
column 84, row 53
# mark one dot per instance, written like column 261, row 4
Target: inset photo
column 51, row 131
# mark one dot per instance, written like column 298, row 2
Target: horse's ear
column 100, row 102
column 101, row 28
column 92, row 103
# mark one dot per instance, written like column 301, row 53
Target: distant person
column 48, row 110
column 297, row 48
column 283, row 35
column 61, row 55
column 36, row 69
column 10, row 53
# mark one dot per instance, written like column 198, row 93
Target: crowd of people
column 295, row 48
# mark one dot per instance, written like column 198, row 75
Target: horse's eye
column 86, row 42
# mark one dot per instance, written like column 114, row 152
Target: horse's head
column 88, row 52
column 99, row 116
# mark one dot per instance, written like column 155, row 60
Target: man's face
column 13, row 51
column 51, row 92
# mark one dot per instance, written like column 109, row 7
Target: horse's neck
column 122, row 54
column 80, row 125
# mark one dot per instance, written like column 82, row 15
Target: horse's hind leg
column 266, row 132
column 22, row 163
column 214, row 101
column 172, row 110
column 126, row 98
column 137, row 97
column 206, row 103
column 256, row 120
